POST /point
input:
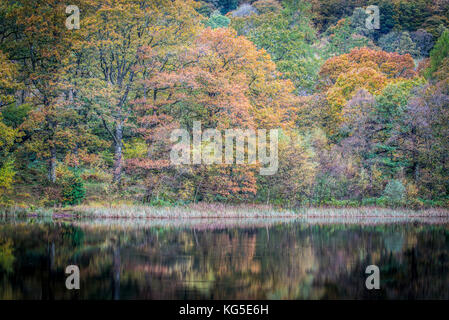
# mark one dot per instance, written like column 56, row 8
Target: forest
column 86, row 113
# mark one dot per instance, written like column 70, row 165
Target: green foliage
column 345, row 203
column 7, row 170
column 226, row 5
column 14, row 115
column 159, row 202
column 107, row 157
column 7, row 173
column 439, row 52
column 217, row 20
column 389, row 108
column 73, row 189
column 343, row 37
column 394, row 192
column 288, row 36
column 410, row 15
column 373, row 202
column 399, row 42
column 436, row 25
column 205, row 8
column 297, row 169
column 392, row 101
column 136, row 148
column 387, row 20
column 358, row 23
column 325, row 189
column 7, row 137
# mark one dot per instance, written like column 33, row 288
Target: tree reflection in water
column 263, row 259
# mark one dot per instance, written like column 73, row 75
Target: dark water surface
column 218, row 259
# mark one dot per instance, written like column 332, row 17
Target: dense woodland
column 86, row 114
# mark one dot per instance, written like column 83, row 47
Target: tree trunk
column 116, row 272
column 118, row 153
column 52, row 165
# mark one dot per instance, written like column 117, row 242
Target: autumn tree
column 110, row 46
column 223, row 81
column 8, row 83
column 373, row 125
column 293, row 184
column 343, row 76
column 7, row 171
column 35, row 37
column 422, row 134
column 423, row 141
column 7, row 134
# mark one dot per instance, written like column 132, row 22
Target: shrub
column 394, row 192
column 51, row 196
column 159, row 202
column 73, row 190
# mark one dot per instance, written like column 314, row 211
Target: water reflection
column 223, row 259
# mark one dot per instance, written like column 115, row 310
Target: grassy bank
column 217, row 210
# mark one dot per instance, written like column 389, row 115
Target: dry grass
column 181, row 212
column 204, row 210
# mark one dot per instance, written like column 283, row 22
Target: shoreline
column 223, row 211
column 221, row 223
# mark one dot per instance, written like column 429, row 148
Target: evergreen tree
column 217, row 20
column 439, row 52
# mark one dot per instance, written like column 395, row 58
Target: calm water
column 223, row 259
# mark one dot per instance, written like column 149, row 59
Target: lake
column 224, row 258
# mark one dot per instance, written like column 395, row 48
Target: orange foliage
column 392, row 64
column 224, row 81
column 341, row 77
